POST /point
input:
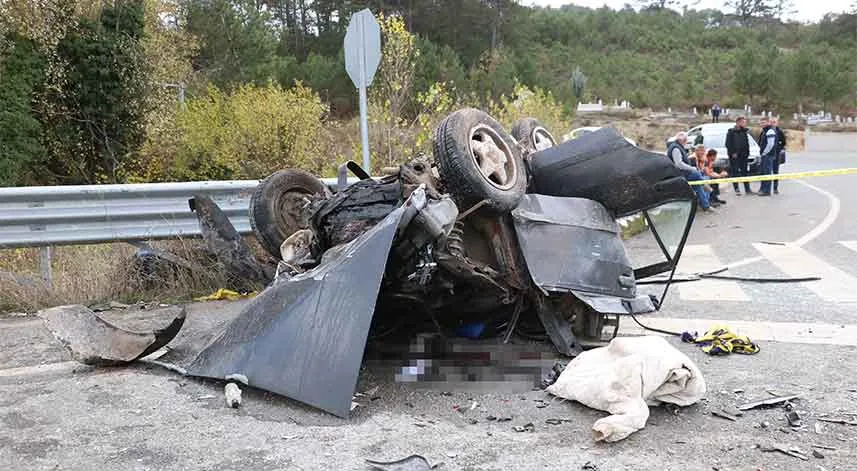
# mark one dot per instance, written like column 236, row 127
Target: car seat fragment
column 604, row 167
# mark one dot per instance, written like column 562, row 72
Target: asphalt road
column 58, row 415
column 816, row 218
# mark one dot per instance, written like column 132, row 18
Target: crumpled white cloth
column 627, row 376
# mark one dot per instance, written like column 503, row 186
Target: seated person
column 678, row 155
column 706, row 168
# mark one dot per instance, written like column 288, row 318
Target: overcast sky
column 805, row 10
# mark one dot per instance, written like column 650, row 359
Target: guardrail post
column 45, row 265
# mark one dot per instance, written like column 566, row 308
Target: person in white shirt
column 768, row 140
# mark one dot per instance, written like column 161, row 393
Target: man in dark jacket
column 738, row 148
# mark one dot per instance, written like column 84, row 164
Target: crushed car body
column 511, row 232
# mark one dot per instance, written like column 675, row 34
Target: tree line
column 108, row 91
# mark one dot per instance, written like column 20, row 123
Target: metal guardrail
column 90, row 214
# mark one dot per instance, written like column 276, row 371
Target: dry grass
column 99, row 273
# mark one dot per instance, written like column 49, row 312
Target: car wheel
column 477, row 161
column 530, row 133
column 277, row 206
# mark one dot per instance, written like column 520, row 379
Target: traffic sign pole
column 364, row 102
column 362, row 57
column 364, row 130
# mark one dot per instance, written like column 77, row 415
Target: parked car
column 576, row 133
column 713, row 136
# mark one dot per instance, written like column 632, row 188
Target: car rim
column 289, row 211
column 542, row 139
column 493, row 157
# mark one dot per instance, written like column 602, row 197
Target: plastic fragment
column 233, row 395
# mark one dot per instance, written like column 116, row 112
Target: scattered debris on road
column 824, row 447
column 790, row 451
column 92, row 340
column 528, row 427
column 233, row 395
column 723, row 414
column 837, row 420
column 589, row 466
column 767, row 402
column 720, row 340
column 793, row 419
column 224, row 294
column 411, row 463
column 649, row 370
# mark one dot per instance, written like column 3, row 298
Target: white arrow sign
column 362, row 56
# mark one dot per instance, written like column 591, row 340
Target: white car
column 713, row 136
column 575, row 133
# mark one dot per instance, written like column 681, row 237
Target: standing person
column 738, row 149
column 781, row 152
column 715, row 113
column 768, row 142
column 678, row 155
column 707, row 170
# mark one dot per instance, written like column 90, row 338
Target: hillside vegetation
column 158, row 90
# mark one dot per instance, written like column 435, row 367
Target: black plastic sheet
column 604, row 167
column 304, row 337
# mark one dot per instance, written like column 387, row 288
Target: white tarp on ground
column 626, row 377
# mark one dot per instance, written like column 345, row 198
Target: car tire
column 532, row 135
column 276, row 207
column 492, row 172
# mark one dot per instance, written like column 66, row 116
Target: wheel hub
column 542, row 139
column 492, row 157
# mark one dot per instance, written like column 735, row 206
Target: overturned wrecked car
column 496, row 235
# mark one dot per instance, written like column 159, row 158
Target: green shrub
column 248, row 133
column 531, row 103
